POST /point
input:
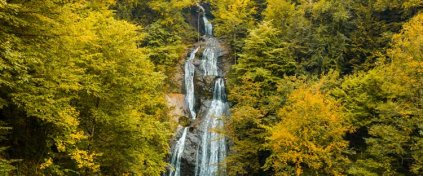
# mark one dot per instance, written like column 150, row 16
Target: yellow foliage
column 68, row 117
column 232, row 15
column 309, row 136
column 279, row 10
column 408, row 44
column 84, row 159
column 47, row 163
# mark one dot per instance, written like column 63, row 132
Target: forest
column 315, row 87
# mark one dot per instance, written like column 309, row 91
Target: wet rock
column 196, row 63
column 204, row 86
column 190, row 153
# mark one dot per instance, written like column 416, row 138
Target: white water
column 210, row 56
column 208, row 27
column 189, row 83
column 212, row 150
column 177, row 153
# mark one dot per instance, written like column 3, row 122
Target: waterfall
column 190, row 102
column 189, row 83
column 177, row 153
column 212, row 150
column 208, row 27
column 209, row 59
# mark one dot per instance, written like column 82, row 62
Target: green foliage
column 263, row 49
column 323, row 35
column 168, row 33
column 84, row 96
column 6, row 165
column 379, row 89
column 310, row 33
column 233, row 19
column 387, row 102
column 396, row 4
column 165, row 47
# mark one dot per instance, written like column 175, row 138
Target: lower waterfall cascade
column 177, row 152
column 209, row 144
column 213, row 145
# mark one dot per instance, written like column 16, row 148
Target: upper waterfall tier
column 208, row 27
column 210, row 57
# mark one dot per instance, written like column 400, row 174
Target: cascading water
column 189, row 83
column 208, row 27
column 212, row 150
column 205, row 148
column 189, row 101
column 210, row 55
column 177, row 153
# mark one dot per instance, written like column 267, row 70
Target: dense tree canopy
column 80, row 95
column 317, row 87
column 364, row 121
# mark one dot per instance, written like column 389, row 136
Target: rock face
column 188, row 158
column 176, row 102
column 192, row 142
column 203, row 87
column 190, row 153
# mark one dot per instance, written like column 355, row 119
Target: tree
column 309, row 138
column 168, row 35
column 233, row 19
column 384, row 104
column 256, row 96
column 80, row 94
